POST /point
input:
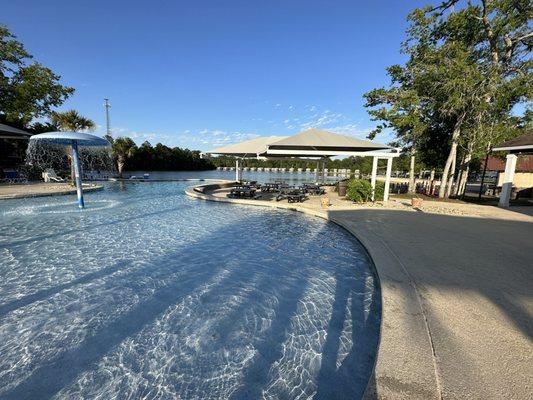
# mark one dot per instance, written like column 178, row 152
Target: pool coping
column 405, row 365
column 87, row 188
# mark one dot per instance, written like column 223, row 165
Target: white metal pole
column 374, row 174
column 507, row 184
column 387, row 179
column 237, row 170
column 77, row 172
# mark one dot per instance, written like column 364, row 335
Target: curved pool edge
column 405, row 366
column 58, row 191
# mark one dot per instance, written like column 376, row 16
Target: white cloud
column 322, row 120
column 207, row 139
column 118, row 130
column 203, row 139
column 351, row 130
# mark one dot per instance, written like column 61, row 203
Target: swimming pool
column 150, row 294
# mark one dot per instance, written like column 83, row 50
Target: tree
column 72, row 121
column 469, row 65
column 453, row 80
column 27, row 90
column 123, row 148
column 498, row 38
column 398, row 108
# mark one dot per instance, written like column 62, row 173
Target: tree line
column 157, row 158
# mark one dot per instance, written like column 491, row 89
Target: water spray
column 49, row 143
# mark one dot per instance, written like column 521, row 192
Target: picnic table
column 293, row 194
column 314, row 189
column 242, row 191
column 252, row 184
column 268, row 187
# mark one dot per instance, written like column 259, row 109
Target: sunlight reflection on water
column 150, row 294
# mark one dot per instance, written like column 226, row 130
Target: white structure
column 248, row 149
column 519, row 145
column 322, row 144
column 313, row 144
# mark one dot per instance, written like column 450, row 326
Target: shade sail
column 248, row 148
column 66, row 138
column 315, row 139
column 8, row 132
column 309, row 143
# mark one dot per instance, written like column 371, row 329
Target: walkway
column 457, row 289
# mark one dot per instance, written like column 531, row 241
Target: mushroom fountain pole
column 77, row 171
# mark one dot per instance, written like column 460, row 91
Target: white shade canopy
column 312, row 143
column 66, row 138
column 309, row 143
column 315, row 139
column 248, row 148
column 319, row 143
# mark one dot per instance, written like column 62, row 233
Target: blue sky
column 201, row 74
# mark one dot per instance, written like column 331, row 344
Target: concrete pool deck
column 39, row 189
column 456, row 284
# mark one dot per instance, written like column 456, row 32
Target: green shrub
column 360, row 190
column 380, row 190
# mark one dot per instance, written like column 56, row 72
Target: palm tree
column 123, row 148
column 71, row 120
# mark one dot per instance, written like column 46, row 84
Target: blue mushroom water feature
column 73, row 140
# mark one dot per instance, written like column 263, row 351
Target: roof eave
column 514, row 148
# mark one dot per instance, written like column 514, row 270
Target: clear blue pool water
column 150, row 294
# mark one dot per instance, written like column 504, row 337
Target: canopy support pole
column 238, row 172
column 77, row 173
column 374, row 175
column 387, row 179
column 507, row 184
column 317, row 171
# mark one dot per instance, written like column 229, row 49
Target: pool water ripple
column 160, row 296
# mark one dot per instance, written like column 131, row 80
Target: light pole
column 108, row 126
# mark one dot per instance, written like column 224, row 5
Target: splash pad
column 56, row 144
